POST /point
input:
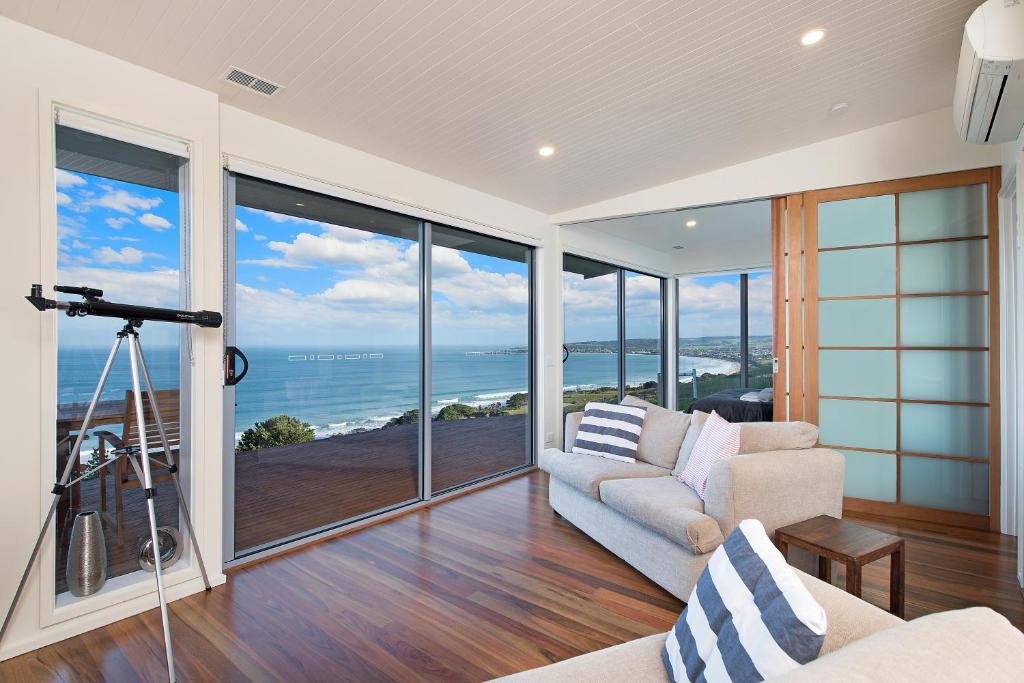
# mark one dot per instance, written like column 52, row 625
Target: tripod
column 139, row 458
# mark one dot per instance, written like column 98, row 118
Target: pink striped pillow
column 719, row 439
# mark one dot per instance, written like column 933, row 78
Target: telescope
column 93, row 304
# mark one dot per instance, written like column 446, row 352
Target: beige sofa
column 643, row 514
column 863, row 643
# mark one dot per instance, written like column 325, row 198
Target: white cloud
column 63, row 199
column 274, row 263
column 124, row 239
column 367, row 291
column 66, row 179
column 125, row 202
column 155, row 222
column 328, row 248
column 240, row 226
column 118, row 223
column 259, row 238
column 79, row 244
column 286, row 291
column 126, row 256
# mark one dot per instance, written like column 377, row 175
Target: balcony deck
column 288, row 490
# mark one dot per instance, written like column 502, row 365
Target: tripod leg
column 182, row 503
column 140, row 418
column 58, row 488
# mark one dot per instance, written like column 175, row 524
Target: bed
column 728, row 404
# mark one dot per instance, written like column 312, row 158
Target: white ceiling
column 726, row 237
column 632, row 93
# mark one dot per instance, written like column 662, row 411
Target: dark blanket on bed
column 728, row 404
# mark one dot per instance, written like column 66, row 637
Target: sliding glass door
column 480, row 357
column 329, row 361
column 613, row 334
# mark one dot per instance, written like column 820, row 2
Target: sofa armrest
column 572, row 425
column 776, row 487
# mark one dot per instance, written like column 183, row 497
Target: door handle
column 231, row 378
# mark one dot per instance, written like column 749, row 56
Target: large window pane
column 709, row 336
column 327, row 311
column 643, row 336
column 590, row 324
column 119, row 229
column 759, row 330
column 480, row 332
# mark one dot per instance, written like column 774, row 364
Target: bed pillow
column 749, row 618
column 719, row 439
column 697, row 419
column 610, row 431
column 662, row 434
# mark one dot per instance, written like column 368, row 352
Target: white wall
column 1012, row 333
column 917, row 146
column 40, row 70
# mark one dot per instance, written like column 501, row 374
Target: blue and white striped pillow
column 749, row 618
column 610, row 431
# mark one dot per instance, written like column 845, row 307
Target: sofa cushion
column 662, row 434
column 586, row 472
column 749, row 618
column 610, row 431
column 667, row 506
column 761, row 437
column 697, row 420
column 718, row 440
column 973, row 644
column 637, row 661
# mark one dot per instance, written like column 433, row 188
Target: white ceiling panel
column 632, row 93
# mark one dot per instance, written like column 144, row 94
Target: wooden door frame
column 802, row 380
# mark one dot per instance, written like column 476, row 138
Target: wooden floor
column 477, row 587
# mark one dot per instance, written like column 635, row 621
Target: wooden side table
column 853, row 545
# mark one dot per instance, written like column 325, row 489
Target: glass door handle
column 565, row 353
column 231, row 378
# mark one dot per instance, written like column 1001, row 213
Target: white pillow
column 749, row 618
column 719, row 439
column 610, row 431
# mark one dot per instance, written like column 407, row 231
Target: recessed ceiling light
column 691, row 223
column 299, row 204
column 546, row 151
column 812, row 37
column 679, row 246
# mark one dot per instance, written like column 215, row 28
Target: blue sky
column 301, row 282
column 340, row 286
column 122, row 238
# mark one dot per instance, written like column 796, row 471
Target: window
column 725, row 327
column 362, row 395
column 120, row 210
column 613, row 334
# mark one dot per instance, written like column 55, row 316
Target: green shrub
column 275, row 431
column 409, row 417
column 456, row 411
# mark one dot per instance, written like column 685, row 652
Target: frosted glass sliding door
column 901, row 345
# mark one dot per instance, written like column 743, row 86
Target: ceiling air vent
column 250, row 82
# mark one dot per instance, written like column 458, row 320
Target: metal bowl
column 170, row 549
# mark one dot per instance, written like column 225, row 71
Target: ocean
column 342, row 390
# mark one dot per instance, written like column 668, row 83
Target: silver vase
column 87, row 556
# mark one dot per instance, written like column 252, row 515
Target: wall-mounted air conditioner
column 988, row 102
